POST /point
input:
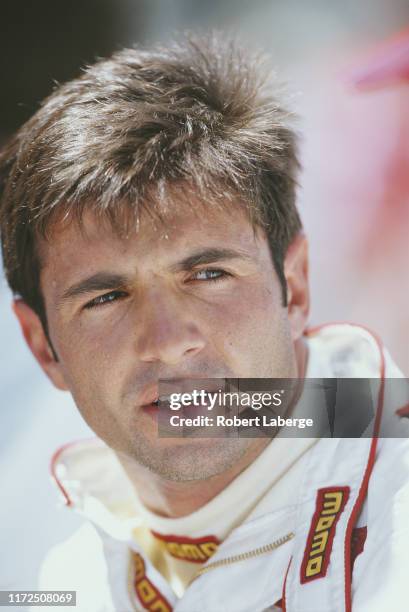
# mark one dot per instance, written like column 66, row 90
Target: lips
column 154, row 404
column 149, row 396
column 151, row 409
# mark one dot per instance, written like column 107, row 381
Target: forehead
column 94, row 240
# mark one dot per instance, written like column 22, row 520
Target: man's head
column 149, row 229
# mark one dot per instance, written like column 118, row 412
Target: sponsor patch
column 329, row 505
column 195, row 550
column 148, row 594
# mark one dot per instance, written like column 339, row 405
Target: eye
column 107, row 298
column 210, row 274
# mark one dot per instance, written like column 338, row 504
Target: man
column 150, row 232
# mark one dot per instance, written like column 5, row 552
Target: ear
column 298, row 294
column 36, row 339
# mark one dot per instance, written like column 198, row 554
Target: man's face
column 195, row 297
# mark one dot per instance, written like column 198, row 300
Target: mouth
column 155, row 402
column 151, row 408
column 199, row 395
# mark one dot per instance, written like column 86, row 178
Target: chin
column 184, row 459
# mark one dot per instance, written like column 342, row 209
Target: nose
column 167, row 331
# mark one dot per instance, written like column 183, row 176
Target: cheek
column 93, row 383
column 253, row 333
column 90, row 360
column 95, row 340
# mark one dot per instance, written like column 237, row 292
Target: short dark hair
column 199, row 114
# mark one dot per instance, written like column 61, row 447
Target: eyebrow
column 108, row 281
column 208, row 256
column 101, row 281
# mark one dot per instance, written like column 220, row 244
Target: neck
column 174, row 499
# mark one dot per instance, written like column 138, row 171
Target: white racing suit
column 342, row 545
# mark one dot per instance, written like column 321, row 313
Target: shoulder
column 389, row 482
column 78, row 564
column 348, row 350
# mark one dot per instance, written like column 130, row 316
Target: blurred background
column 354, row 194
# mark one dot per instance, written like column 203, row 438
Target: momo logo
column 329, row 506
column 195, row 550
column 149, row 596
